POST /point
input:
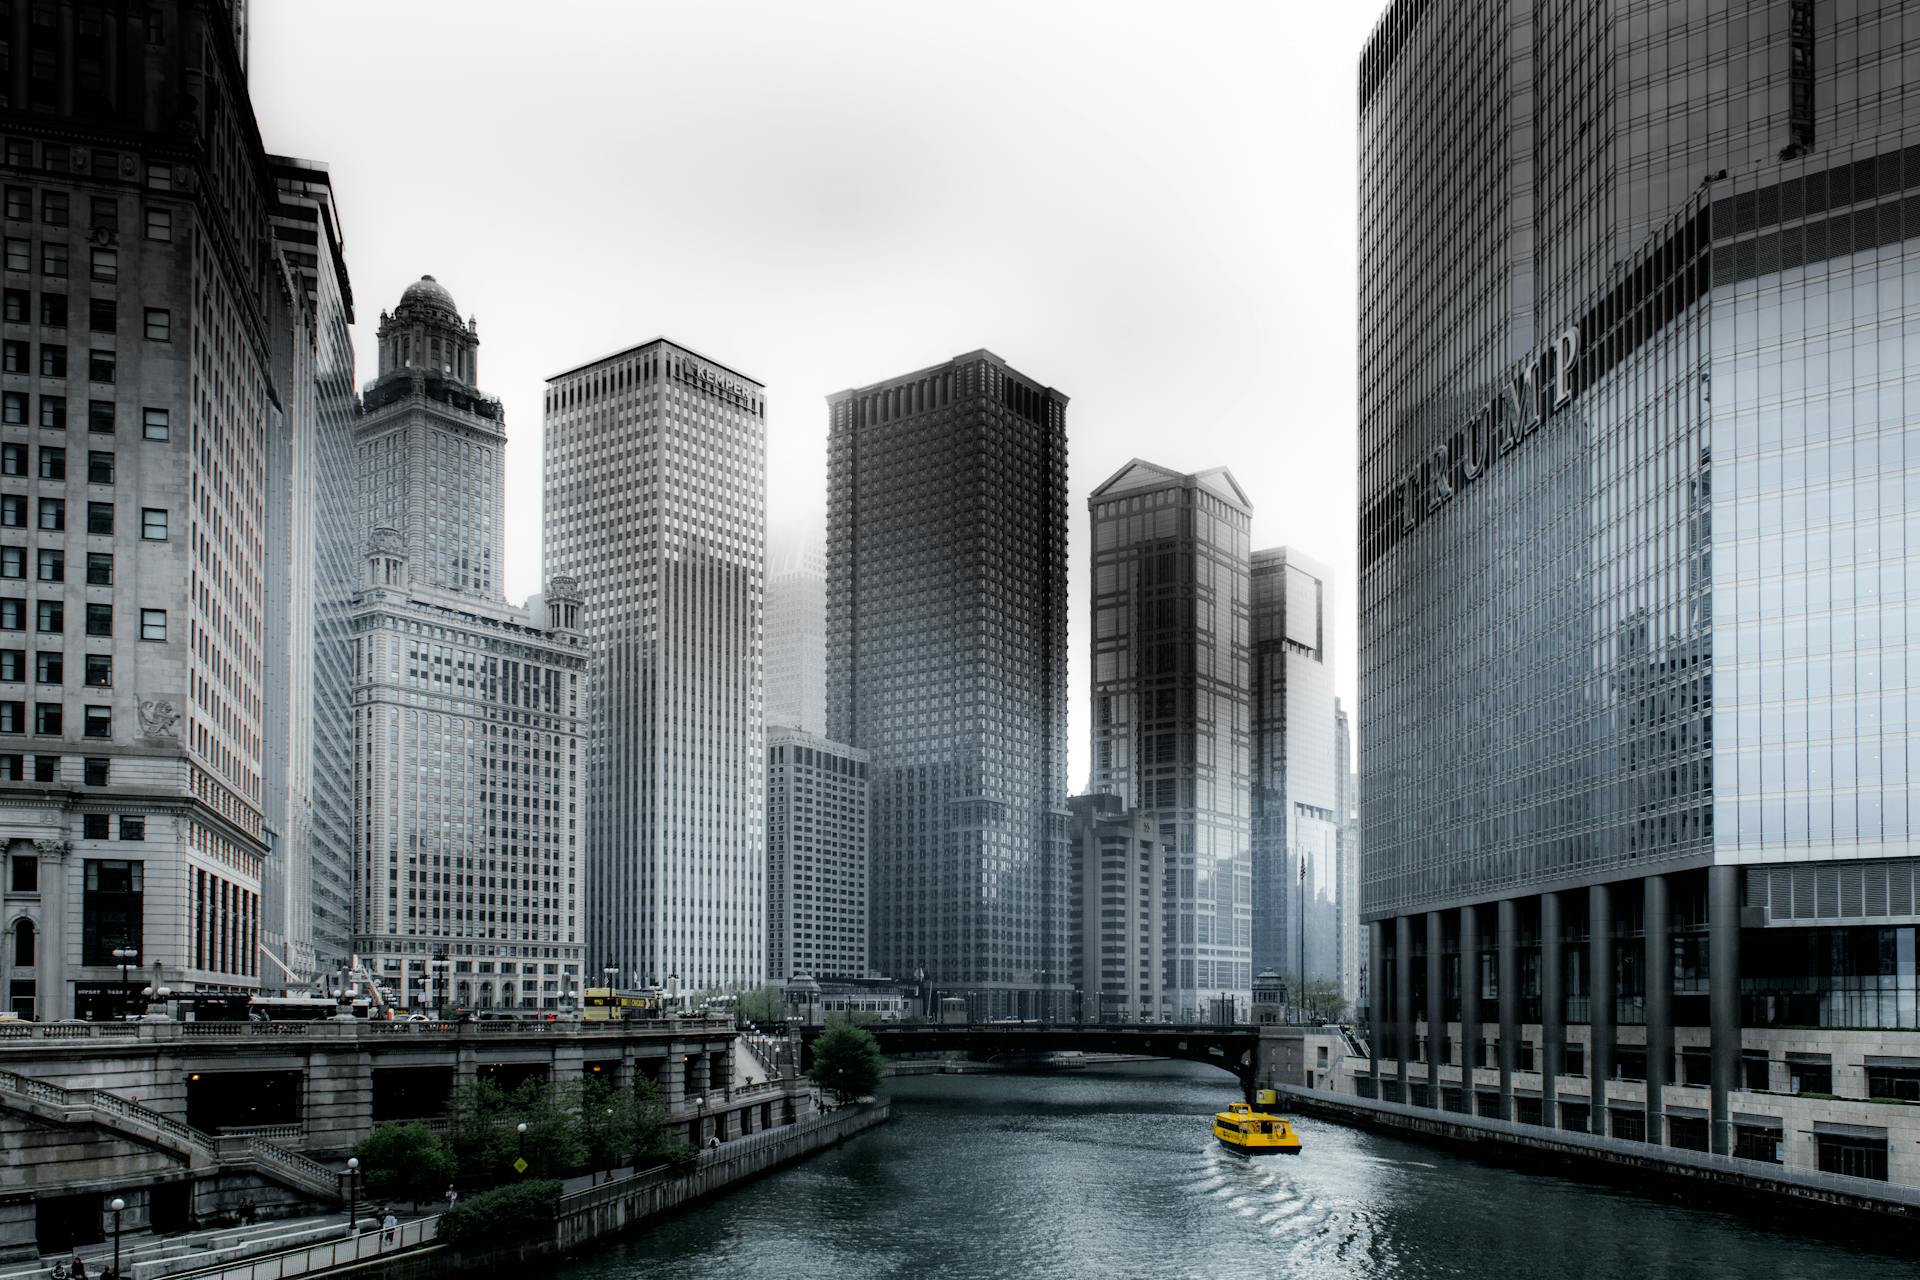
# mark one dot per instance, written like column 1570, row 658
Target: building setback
column 1119, row 864
column 138, row 403
column 946, row 661
column 797, row 635
column 468, row 738
column 1296, row 778
column 656, row 503
column 314, row 543
column 817, row 801
column 1636, row 604
column 1170, row 707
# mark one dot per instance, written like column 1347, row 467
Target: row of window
column 49, row 719
column 50, row 618
column 103, row 316
column 154, row 423
column 50, row 565
column 14, row 460
column 56, row 209
column 102, row 366
column 51, row 514
column 103, row 265
column 95, row 772
column 50, row 668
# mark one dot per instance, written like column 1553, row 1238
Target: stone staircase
column 196, row 1150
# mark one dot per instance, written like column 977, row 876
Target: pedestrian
column 453, row 1197
column 59, row 1270
column 388, row 1225
column 79, row 1267
column 248, row 1210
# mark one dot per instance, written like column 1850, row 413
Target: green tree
column 405, row 1162
column 761, row 1004
column 553, row 1141
column 846, row 1060
column 482, row 1131
column 618, row 1124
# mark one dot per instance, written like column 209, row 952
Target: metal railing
column 370, row 1242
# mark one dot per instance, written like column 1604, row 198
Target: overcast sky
column 1149, row 207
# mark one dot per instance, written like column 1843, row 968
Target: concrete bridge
column 1232, row 1048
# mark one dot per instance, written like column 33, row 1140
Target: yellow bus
column 604, row 1004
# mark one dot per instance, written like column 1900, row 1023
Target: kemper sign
column 1535, row 390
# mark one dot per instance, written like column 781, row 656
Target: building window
column 13, row 562
column 46, row 768
column 12, row 766
column 53, row 208
column 13, row 459
column 53, row 258
column 106, row 265
column 13, row 510
column 53, row 310
column 49, row 667
column 100, row 416
column 19, row 254
column 154, row 424
column 159, row 176
column 1856, row 1156
column 99, row 467
column 53, row 462
column 53, row 360
column 153, row 524
column 47, row 719
column 53, row 514
column 96, row 770
column 98, row 722
column 26, row 870
column 103, row 315
column 53, row 413
column 52, row 565
column 13, row 717
column 23, row 944
column 13, row 356
column 96, row 826
column 111, row 909
column 13, row 408
column 153, row 624
column 19, row 306
column 133, row 827
column 13, row 613
column 100, row 518
column 19, row 204
column 99, row 568
column 99, row 619
column 100, row 366
column 159, row 324
column 99, row 671
column 51, row 616
column 105, row 213
column 13, row 665
column 159, row 223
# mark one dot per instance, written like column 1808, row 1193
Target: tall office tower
column 797, row 634
column 1296, row 817
column 306, row 910
column 1170, row 706
column 946, row 659
column 817, row 800
column 134, row 426
column 433, row 450
column 468, row 731
column 1353, row 982
column 656, row 501
column 1118, row 868
column 1637, row 519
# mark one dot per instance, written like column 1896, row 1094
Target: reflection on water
column 1115, row 1174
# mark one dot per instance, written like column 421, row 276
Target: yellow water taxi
column 1255, row 1133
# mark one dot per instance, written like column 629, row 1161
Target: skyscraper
column 946, row 660
column 656, row 503
column 469, row 750
column 1296, row 816
column 1119, row 876
column 1353, row 983
column 1636, row 532
column 817, row 814
column 139, row 399
column 306, row 913
column 797, row 634
column 1170, row 706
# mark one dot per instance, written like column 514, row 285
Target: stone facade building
column 468, row 735
column 656, row 504
column 817, row 815
column 1119, row 863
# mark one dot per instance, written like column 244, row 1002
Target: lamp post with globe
column 118, row 1206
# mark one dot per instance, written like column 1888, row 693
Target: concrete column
column 1553, row 1009
column 1403, row 995
column 1509, row 999
column 1376, row 987
column 1600, row 1000
column 1436, row 1010
column 1659, row 941
column 1723, row 997
column 1469, row 1000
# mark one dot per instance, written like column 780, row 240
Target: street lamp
column 125, row 957
column 353, row 1195
column 521, row 1128
column 118, row 1206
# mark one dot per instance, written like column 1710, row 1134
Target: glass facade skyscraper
column 946, row 661
column 1640, row 497
column 1171, row 708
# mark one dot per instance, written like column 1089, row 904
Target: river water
column 1114, row 1174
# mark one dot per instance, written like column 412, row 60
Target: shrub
column 846, row 1060
column 405, row 1162
column 503, row 1214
